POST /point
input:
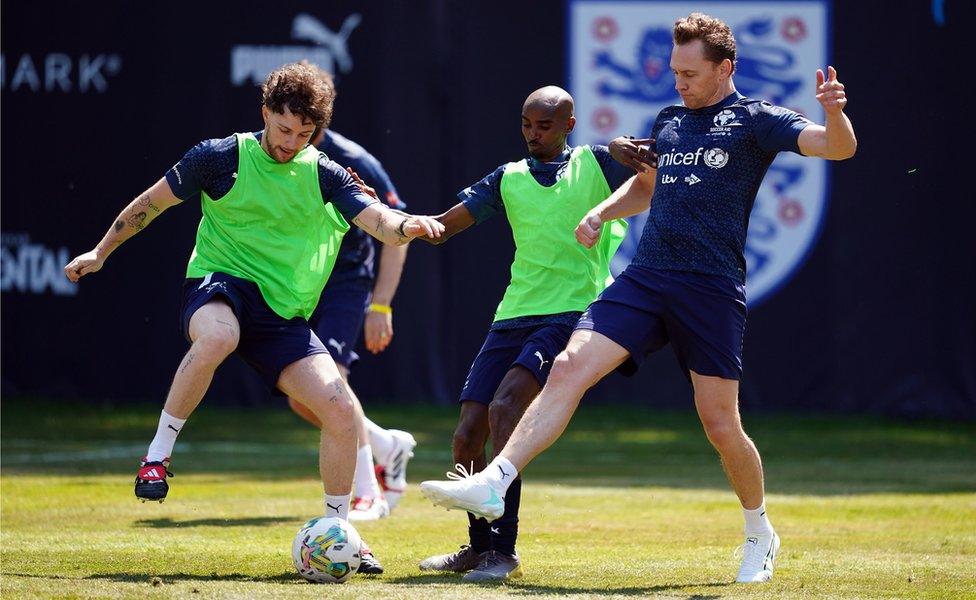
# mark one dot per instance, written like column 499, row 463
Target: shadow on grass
column 517, row 588
column 167, row 523
column 620, row 445
column 287, row 577
column 290, row 578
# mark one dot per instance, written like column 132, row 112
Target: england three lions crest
column 619, row 73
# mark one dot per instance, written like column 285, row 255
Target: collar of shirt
column 732, row 98
column 538, row 165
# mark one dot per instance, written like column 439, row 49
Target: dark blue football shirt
column 484, row 200
column 711, row 162
column 357, row 253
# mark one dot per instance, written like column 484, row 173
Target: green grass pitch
column 630, row 502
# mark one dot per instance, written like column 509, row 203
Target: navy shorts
column 703, row 316
column 531, row 347
column 339, row 317
column 268, row 342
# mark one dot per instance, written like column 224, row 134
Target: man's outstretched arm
column 455, row 220
column 834, row 140
column 394, row 227
column 133, row 219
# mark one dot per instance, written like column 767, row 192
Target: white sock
column 365, row 482
column 337, row 506
column 381, row 440
column 162, row 445
column 500, row 473
column 756, row 521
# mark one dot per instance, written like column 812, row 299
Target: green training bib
column 552, row 272
column 271, row 228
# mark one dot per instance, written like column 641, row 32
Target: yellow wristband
column 381, row 308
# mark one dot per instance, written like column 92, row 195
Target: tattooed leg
column 315, row 382
column 215, row 332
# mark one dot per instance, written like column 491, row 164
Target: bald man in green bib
column 554, row 278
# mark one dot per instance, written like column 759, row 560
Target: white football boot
column 467, row 491
column 368, row 509
column 758, row 555
column 391, row 470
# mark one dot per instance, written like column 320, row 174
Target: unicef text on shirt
column 715, row 158
column 679, row 158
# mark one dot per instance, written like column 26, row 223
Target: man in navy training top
column 686, row 282
column 355, row 293
column 514, row 362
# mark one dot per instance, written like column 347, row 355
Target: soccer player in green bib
column 554, row 278
column 274, row 213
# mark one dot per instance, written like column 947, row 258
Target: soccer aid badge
column 619, row 66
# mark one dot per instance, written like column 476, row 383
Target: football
column 326, row 550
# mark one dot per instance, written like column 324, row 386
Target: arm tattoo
column 119, row 225
column 146, row 201
column 397, row 230
column 382, row 228
column 137, row 220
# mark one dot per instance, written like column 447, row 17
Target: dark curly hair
column 299, row 87
column 714, row 34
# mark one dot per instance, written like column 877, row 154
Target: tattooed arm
column 133, row 218
column 394, row 227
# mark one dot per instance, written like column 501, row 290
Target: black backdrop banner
column 98, row 102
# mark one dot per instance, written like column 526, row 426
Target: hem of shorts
column 734, row 278
column 505, row 324
column 537, row 376
column 344, row 364
column 690, row 368
column 463, row 399
column 634, row 357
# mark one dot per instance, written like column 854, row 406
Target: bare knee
column 215, row 344
column 569, row 370
column 723, row 431
column 468, row 444
column 335, row 413
column 503, row 408
column 504, row 413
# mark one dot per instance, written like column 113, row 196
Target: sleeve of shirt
column 615, row 173
column 376, row 177
column 778, row 129
column 338, row 187
column 201, row 165
column 484, row 199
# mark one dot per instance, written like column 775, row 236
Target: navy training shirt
column 357, row 253
column 211, row 166
column 484, row 200
column 711, row 162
